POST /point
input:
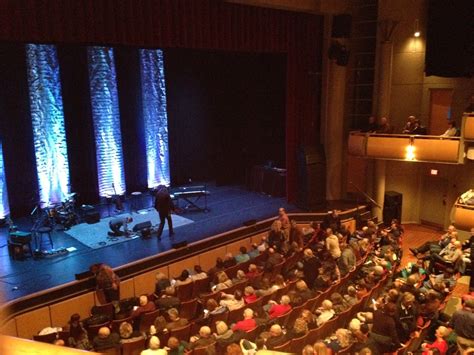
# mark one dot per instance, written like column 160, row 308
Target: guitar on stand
column 116, row 200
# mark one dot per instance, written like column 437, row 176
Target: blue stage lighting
column 106, row 116
column 47, row 116
column 155, row 116
column 4, row 207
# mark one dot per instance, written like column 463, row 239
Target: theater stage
column 229, row 207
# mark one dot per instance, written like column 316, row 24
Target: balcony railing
column 448, row 150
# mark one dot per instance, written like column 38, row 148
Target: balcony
column 405, row 147
column 445, row 150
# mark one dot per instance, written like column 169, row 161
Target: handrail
column 365, row 194
column 402, row 135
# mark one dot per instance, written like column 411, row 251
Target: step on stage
column 227, row 208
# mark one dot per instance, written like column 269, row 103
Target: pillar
column 334, row 133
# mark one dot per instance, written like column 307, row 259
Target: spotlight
column 417, row 34
column 410, row 152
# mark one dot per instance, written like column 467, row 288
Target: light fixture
column 410, row 151
column 434, row 172
column 416, row 31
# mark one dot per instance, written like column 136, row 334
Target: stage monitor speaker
column 179, row 244
column 392, row 207
column 341, row 26
column 311, row 177
column 140, row 226
column 92, row 217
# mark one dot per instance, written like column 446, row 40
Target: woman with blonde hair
column 223, row 281
column 321, row 349
column 340, row 340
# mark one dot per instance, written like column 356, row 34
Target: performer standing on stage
column 164, row 206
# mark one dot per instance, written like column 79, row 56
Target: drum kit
column 63, row 213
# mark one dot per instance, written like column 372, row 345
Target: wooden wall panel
column 437, row 150
column 61, row 312
column 469, row 127
column 31, row 323
column 208, row 259
column 9, row 328
column 126, row 289
column 387, row 147
column 257, row 238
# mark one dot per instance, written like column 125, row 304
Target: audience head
column 326, row 305
column 354, row 325
column 300, row 326
column 211, row 304
column 198, row 269
column 160, row 276
column 343, row 338
column 154, row 343
column 170, row 291
column 240, row 274
column 308, row 350
column 253, row 268
column 329, row 231
column 365, row 351
column 321, row 349
column 219, row 263
column 442, row 332
column 351, row 291
column 173, row 314
column 75, row 319
column 281, row 211
column 233, row 349
column 228, row 256
column 243, row 250
column 308, row 253
column 248, row 313
column 279, row 280
column 143, row 300
column 125, row 330
column 275, row 330
column 59, row 342
column 408, row 299
column 301, row 285
column 104, row 332
column 336, row 298
column 249, row 290
column 205, row 332
column 221, row 327
column 222, row 277
column 285, row 300
column 383, row 120
column 184, row 275
column 173, row 343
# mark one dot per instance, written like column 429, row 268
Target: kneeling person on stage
column 117, row 223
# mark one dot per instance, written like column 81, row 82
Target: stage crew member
column 164, row 206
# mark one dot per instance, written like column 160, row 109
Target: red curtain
column 199, row 24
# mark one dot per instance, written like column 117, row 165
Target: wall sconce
column 416, row 30
column 410, row 151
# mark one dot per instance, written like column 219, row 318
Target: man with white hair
column 203, row 339
column 154, row 347
column 248, row 323
column 326, row 312
column 277, row 310
column 277, row 337
column 105, row 339
column 144, row 307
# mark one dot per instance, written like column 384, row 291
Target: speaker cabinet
column 92, row 217
column 140, row 226
column 311, row 177
column 392, row 208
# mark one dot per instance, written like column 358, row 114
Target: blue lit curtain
column 155, row 117
column 47, row 116
column 106, row 117
column 4, row 207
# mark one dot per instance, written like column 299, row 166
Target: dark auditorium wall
column 226, row 112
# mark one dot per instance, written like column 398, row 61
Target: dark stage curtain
column 199, row 24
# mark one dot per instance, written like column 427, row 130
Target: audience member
column 276, row 309
column 332, row 244
column 105, row 339
column 199, row 274
column 311, row 264
column 384, row 127
column 384, row 330
column 162, row 282
column 248, row 323
column 168, row 299
column 202, row 340
column 276, row 338
column 324, row 313
column 242, row 257
column 144, row 307
column 154, row 347
column 462, row 323
column 175, row 320
column 183, row 279
column 223, row 281
column 234, row 301
column 452, row 131
column 175, row 347
column 127, row 334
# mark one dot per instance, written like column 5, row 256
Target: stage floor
column 229, row 207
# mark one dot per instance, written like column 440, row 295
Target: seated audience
column 406, row 316
column 239, row 277
column 76, row 330
column 296, row 234
column 299, row 329
column 223, row 281
column 350, row 298
column 384, row 330
column 175, row 320
column 175, row 347
column 204, row 338
column 276, row 338
column 162, row 282
column 435, row 246
column 384, row 126
column 303, row 291
column 168, row 299
column 183, row 279
column 462, row 323
column 452, row 131
column 127, row 334
column 154, row 347
column 248, row 323
column 324, row 313
column 242, row 257
column 440, row 344
column 448, row 256
column 105, row 339
column 310, row 318
column 229, row 260
column 276, row 309
column 337, row 302
column 253, row 252
column 249, row 295
column 199, row 274
column 409, row 125
column 371, row 126
column 232, row 302
column 347, row 261
column 225, row 336
column 145, row 306
column 340, row 340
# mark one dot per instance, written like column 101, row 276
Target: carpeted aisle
column 95, row 235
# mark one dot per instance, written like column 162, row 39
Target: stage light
column 155, row 117
column 106, row 117
column 47, row 117
column 4, row 206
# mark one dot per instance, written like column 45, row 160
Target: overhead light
column 434, row 172
column 416, row 31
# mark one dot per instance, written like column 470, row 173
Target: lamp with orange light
column 410, row 151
